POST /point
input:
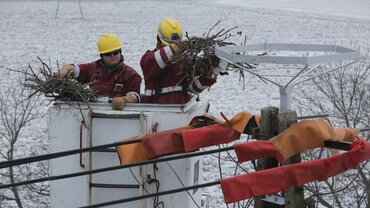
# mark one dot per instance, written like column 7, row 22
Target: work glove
column 208, row 81
column 118, row 103
column 178, row 48
column 198, row 85
column 67, row 71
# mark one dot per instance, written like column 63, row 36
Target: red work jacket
column 161, row 74
column 122, row 81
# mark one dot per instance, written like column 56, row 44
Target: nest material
column 198, row 58
column 64, row 89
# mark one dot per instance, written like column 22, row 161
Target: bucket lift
column 287, row 65
column 104, row 126
column 77, row 184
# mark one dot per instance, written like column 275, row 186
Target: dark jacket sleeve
column 85, row 72
column 134, row 82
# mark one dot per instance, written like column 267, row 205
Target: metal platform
column 319, row 53
column 287, row 64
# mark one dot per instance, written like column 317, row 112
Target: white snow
column 29, row 29
column 354, row 8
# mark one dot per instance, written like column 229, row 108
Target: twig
column 199, row 58
column 63, row 89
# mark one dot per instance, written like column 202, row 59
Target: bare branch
column 64, row 89
column 199, row 57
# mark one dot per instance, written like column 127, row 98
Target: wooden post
column 268, row 128
column 294, row 197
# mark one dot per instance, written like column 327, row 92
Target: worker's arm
column 67, row 71
column 119, row 102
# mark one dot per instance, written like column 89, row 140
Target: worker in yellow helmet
column 163, row 84
column 109, row 76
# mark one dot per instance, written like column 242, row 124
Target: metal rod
column 37, row 158
column 276, row 70
column 337, row 145
column 300, row 72
column 296, row 83
column 105, row 150
column 70, row 175
column 276, row 75
column 79, row 4
column 306, row 74
column 264, row 79
column 313, row 116
column 135, row 198
column 111, row 115
column 56, row 12
column 121, row 186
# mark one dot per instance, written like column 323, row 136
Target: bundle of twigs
column 44, row 81
column 199, row 57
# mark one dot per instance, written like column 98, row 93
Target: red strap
column 208, row 136
column 186, row 140
column 248, row 151
column 161, row 144
column 82, row 123
column 277, row 179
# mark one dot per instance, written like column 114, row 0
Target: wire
column 153, row 194
column 70, row 175
column 156, row 202
column 182, row 184
column 340, row 190
column 62, row 154
column 140, row 184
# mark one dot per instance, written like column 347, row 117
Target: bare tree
column 22, row 135
column 344, row 95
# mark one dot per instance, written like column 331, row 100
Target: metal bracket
column 274, row 201
column 337, row 145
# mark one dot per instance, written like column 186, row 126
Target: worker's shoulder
column 92, row 64
column 129, row 70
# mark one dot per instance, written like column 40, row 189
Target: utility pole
column 294, row 197
column 268, row 129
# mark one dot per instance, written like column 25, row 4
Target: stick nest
column 198, row 58
column 43, row 81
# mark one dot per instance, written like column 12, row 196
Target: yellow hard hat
column 108, row 43
column 169, row 30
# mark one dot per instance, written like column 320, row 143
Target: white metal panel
column 64, row 135
column 109, row 130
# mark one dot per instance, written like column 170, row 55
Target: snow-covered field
column 30, row 29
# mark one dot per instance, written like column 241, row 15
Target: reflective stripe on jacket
column 159, row 72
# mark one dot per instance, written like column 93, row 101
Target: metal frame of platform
column 290, row 69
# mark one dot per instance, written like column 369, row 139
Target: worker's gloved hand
column 118, row 103
column 67, row 71
column 208, row 81
column 178, row 48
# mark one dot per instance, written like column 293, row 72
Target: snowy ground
column 355, row 8
column 31, row 29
